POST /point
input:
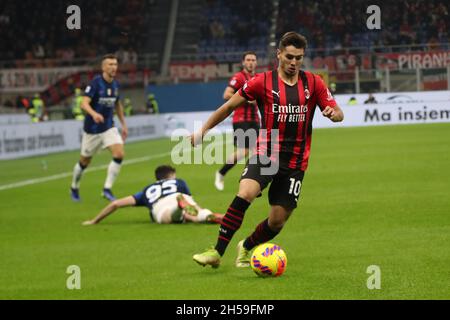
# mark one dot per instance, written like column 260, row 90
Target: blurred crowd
column 236, row 20
column 35, row 31
column 235, row 26
column 342, row 23
column 231, row 26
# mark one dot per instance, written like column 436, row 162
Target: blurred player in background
column 100, row 99
column 168, row 199
column 288, row 97
column 152, row 104
column 77, row 111
column 245, row 117
column 37, row 111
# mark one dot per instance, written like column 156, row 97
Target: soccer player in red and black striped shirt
column 245, row 117
column 287, row 98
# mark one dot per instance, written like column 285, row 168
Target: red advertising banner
column 65, row 87
column 413, row 60
column 343, row 62
column 206, row 70
column 434, row 79
column 194, row 71
column 34, row 80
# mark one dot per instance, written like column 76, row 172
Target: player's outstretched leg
column 220, row 175
column 231, row 222
column 107, row 194
column 118, row 154
column 219, row 181
column 262, row 234
column 206, row 215
column 76, row 178
column 230, row 163
column 186, row 206
column 243, row 256
column 209, row 257
column 215, row 218
column 75, row 194
column 265, row 231
column 113, row 172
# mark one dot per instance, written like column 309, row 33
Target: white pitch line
column 90, row 169
column 69, row 174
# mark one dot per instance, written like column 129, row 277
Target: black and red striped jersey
column 246, row 112
column 290, row 110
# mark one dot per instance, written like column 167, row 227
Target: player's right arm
column 229, row 92
column 86, row 106
column 110, row 208
column 217, row 117
column 249, row 92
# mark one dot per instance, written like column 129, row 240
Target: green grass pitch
column 371, row 196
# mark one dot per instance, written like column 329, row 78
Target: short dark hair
column 109, row 56
column 163, row 172
column 246, row 53
column 292, row 38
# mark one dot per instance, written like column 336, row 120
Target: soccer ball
column 268, row 260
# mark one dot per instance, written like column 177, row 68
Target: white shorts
column 166, row 210
column 91, row 143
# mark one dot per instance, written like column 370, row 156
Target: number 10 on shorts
column 295, row 186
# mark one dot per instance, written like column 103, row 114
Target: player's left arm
column 326, row 102
column 110, row 208
column 121, row 116
column 335, row 113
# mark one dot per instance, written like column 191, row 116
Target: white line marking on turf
column 90, row 169
column 69, row 174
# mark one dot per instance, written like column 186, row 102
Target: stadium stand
column 107, row 26
column 227, row 27
column 187, row 27
column 423, row 24
column 217, row 32
column 210, row 29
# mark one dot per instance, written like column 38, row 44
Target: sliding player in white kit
column 168, row 199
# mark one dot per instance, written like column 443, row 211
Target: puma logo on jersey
column 277, row 93
column 329, row 95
